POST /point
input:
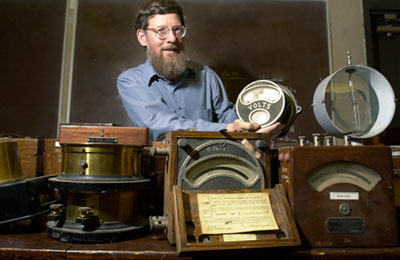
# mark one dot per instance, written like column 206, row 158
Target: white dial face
column 343, row 172
column 268, row 94
column 260, row 116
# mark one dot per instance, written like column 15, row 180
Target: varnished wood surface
column 186, row 207
column 37, row 246
column 40, row 246
column 31, row 246
column 375, row 207
column 135, row 136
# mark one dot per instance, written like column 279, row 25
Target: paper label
column 239, row 237
column 235, row 213
column 344, row 196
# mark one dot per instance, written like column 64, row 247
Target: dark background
column 283, row 41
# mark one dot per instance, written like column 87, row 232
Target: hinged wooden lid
column 87, row 133
column 191, row 238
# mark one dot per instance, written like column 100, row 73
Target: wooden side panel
column 52, row 157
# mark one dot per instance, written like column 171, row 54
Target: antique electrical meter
column 266, row 102
column 101, row 185
column 356, row 100
column 342, row 195
column 231, row 170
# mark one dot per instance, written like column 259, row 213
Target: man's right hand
column 240, row 126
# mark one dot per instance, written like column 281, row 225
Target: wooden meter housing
column 341, row 196
column 218, row 163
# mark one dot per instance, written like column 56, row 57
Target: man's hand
column 241, row 126
column 273, row 130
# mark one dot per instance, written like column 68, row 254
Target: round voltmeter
column 355, row 100
column 266, row 102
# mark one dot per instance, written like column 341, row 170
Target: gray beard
column 170, row 70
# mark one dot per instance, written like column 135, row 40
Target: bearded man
column 169, row 91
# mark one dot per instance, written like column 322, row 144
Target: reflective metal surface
column 99, row 159
column 10, row 168
column 108, row 206
column 355, row 100
column 100, row 186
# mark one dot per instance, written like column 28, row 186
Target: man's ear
column 141, row 36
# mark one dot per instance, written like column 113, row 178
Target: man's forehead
column 164, row 19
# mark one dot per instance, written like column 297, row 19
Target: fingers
column 239, row 125
column 273, row 130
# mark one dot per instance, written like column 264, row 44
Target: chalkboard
column 31, row 45
column 284, row 41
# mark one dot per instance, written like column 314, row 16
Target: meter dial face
column 351, row 102
column 268, row 94
column 260, row 116
column 343, row 172
column 265, row 102
column 262, row 102
column 221, row 164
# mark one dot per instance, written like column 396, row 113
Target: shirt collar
column 151, row 75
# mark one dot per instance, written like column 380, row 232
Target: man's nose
column 171, row 36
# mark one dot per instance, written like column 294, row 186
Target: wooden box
column 396, row 173
column 192, row 229
column 52, row 157
column 91, row 133
column 341, row 196
column 177, row 156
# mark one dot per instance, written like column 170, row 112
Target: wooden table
column 40, row 246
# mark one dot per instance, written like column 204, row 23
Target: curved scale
column 234, row 161
column 221, row 166
column 269, row 93
column 343, row 172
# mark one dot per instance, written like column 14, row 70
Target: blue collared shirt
column 196, row 101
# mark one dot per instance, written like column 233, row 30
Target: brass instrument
column 101, row 188
column 20, row 198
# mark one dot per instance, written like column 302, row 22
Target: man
column 170, row 92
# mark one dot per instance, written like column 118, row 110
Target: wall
column 344, row 32
column 346, row 24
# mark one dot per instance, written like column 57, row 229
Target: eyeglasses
column 163, row 32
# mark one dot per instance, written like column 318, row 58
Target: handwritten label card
column 235, row 212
